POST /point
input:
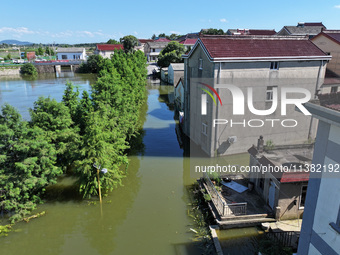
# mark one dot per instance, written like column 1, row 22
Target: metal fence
column 223, row 208
column 285, row 238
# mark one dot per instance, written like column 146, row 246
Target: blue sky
column 97, row 21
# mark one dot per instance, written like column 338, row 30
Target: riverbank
column 9, row 70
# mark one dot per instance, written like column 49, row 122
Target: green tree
column 129, row 43
column 71, row 99
column 113, row 41
column 93, row 64
column 40, row 51
column 162, row 35
column 27, row 164
column 172, row 53
column 55, row 120
column 173, row 37
column 29, row 69
column 213, row 31
column 153, row 37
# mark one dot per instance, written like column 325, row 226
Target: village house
column 106, row 50
column 258, row 65
column 283, row 191
column 329, row 42
column 188, row 40
column 141, row 44
column 71, row 54
column 152, row 49
column 320, row 232
column 251, row 32
column 310, row 29
column 179, row 94
column 175, row 72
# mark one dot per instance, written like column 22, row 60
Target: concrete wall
column 323, row 194
column 179, row 96
column 302, row 74
column 9, row 71
column 289, row 192
column 331, row 47
column 174, row 76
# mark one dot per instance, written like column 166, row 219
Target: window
column 269, row 93
column 274, row 66
column 63, row 56
column 334, row 89
column 336, row 225
column 303, row 197
column 204, row 129
column 200, row 64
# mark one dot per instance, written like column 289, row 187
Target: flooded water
column 147, row 215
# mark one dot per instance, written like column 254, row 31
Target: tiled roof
column 110, row 47
column 70, row 50
column 145, row 40
column 294, row 177
column 254, row 47
column 304, row 30
column 314, row 24
column 162, row 39
column 177, row 66
column 334, row 35
column 252, row 31
column 331, row 100
column 188, row 41
column 157, row 45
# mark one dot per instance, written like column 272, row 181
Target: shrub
column 28, row 69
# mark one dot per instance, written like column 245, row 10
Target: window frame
column 269, row 91
column 200, row 64
column 305, row 194
column 335, row 88
column 275, row 65
column 204, row 129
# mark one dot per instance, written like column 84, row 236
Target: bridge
column 56, row 66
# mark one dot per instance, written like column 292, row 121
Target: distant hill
column 16, row 42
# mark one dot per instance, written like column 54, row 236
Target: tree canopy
column 172, row 53
column 129, row 43
column 70, row 136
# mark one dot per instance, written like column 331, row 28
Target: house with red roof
column 329, row 42
column 141, row 44
column 234, row 85
column 106, row 50
column 280, row 176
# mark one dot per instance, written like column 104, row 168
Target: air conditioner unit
column 232, row 139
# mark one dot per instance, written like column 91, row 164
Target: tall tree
column 172, row 53
column 129, row 43
column 27, row 164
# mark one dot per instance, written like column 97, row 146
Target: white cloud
column 337, row 6
column 135, row 32
column 223, row 20
column 16, row 32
